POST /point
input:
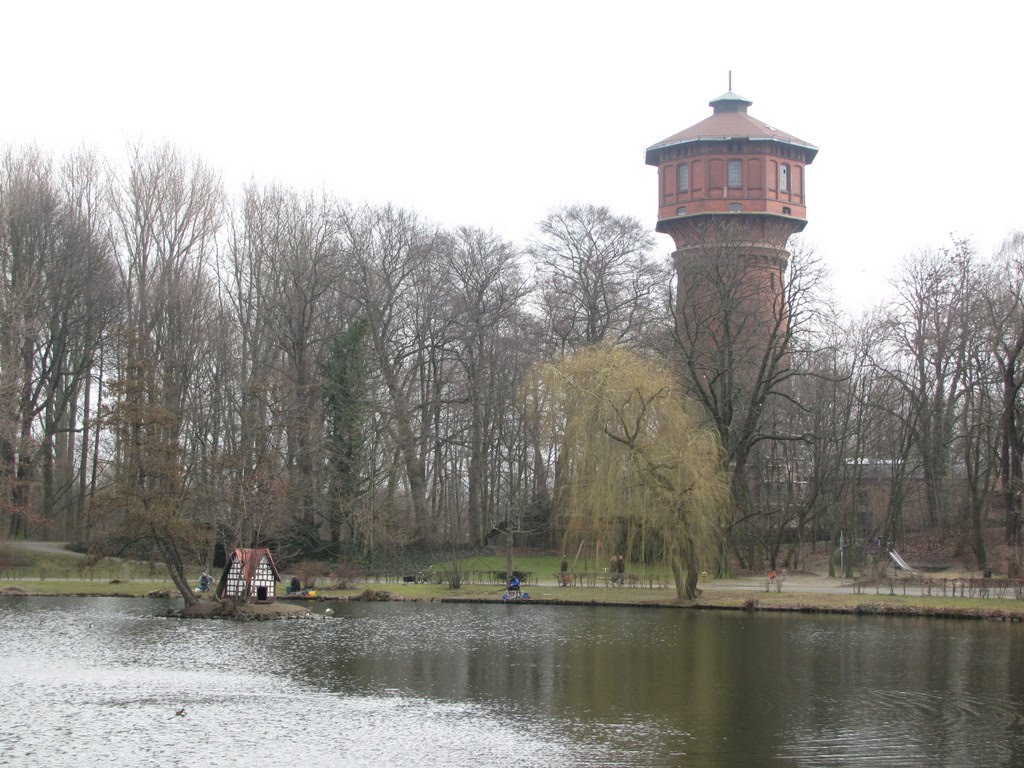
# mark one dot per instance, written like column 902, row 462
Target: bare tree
column 740, row 318
column 488, row 290
column 94, row 287
column 802, row 479
column 31, row 211
column 978, row 440
column 388, row 254
column 888, row 441
column 1003, row 304
column 57, row 301
column 254, row 483
column 929, row 326
column 167, row 212
column 303, row 277
column 596, row 277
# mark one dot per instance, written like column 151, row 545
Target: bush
column 345, row 573
column 453, row 573
column 309, row 571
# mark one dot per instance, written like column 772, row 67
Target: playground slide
column 900, row 562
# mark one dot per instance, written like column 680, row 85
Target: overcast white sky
column 490, row 114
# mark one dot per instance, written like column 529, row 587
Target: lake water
column 97, row 681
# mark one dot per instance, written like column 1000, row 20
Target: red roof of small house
column 729, row 121
column 250, row 559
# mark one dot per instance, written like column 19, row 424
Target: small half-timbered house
column 249, row 575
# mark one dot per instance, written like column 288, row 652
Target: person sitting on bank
column 514, row 588
column 205, row 582
column 294, row 586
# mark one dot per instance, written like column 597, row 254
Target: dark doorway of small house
column 261, row 594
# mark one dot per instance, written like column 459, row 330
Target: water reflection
column 92, row 681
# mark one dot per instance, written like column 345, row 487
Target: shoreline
column 730, row 596
column 868, row 608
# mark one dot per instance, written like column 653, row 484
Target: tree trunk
column 476, row 473
column 685, row 573
column 176, row 570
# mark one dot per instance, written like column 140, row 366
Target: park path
column 43, row 547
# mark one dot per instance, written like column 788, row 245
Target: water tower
column 731, row 191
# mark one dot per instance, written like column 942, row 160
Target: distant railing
column 998, row 588
column 531, row 579
column 102, row 572
column 607, row 579
column 528, row 578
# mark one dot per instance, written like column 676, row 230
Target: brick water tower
column 731, row 191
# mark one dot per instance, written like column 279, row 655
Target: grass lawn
column 545, row 567
column 80, row 587
column 68, row 573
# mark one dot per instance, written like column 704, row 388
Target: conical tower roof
column 729, row 121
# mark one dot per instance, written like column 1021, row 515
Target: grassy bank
column 734, row 599
column 74, row 587
column 711, row 599
column 901, row 605
column 65, row 574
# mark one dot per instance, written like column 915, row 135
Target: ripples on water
column 94, row 682
column 97, row 682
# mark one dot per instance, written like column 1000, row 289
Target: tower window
column 784, row 178
column 734, row 207
column 684, row 177
column 681, row 210
column 736, row 173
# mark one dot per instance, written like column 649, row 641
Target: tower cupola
column 730, row 102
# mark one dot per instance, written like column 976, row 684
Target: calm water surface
column 97, row 682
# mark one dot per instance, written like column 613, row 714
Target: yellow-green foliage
column 635, row 461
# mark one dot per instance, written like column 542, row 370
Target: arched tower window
column 784, row 177
column 736, row 174
column 683, row 173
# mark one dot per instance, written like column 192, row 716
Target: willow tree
column 635, row 456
